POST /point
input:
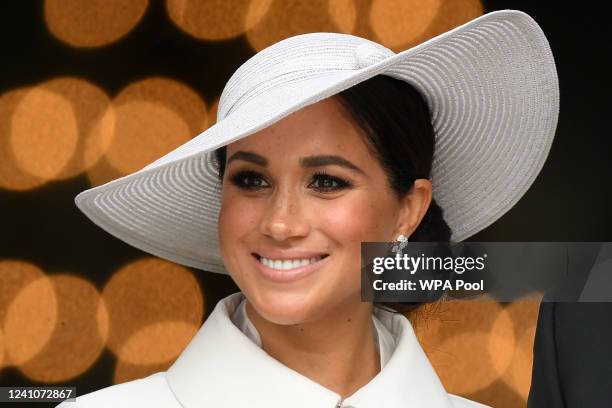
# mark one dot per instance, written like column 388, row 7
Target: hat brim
column 492, row 88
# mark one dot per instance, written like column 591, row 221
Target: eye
column 248, row 180
column 327, row 183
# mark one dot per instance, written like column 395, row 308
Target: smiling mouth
column 287, row 264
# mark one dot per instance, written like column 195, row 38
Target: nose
column 284, row 217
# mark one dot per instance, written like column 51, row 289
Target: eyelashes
column 321, row 181
column 239, row 178
column 339, row 182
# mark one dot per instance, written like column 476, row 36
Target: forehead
column 322, row 126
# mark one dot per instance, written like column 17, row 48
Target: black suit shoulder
column 572, row 364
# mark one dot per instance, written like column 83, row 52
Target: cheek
column 356, row 220
column 236, row 220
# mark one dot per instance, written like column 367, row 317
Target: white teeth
column 288, row 264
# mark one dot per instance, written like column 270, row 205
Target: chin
column 285, row 307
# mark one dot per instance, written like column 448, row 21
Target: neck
column 337, row 351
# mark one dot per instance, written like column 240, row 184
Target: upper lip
column 288, row 254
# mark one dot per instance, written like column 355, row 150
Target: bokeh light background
column 93, row 90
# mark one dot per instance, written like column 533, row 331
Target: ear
column 414, row 207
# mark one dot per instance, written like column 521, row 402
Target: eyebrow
column 306, row 162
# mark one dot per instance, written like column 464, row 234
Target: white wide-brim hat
column 493, row 93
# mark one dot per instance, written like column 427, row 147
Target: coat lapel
column 222, row 367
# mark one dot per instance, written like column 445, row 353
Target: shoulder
column 152, row 391
column 460, row 402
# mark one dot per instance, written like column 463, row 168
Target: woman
column 340, row 149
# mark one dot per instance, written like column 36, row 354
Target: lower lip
column 290, row 275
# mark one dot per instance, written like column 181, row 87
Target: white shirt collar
column 383, row 339
column 222, row 366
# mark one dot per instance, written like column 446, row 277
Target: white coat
column 223, row 367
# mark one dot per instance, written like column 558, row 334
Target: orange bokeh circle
column 451, row 331
column 77, row 339
column 92, row 23
column 154, row 308
column 50, row 131
column 146, row 120
column 215, row 20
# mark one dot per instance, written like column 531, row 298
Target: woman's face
column 303, row 188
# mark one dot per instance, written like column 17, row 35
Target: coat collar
column 221, row 366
